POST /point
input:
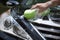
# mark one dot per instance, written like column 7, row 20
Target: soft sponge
column 29, row 14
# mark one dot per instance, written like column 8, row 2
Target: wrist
column 51, row 3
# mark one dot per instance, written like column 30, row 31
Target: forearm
column 52, row 3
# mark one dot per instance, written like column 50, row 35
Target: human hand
column 40, row 6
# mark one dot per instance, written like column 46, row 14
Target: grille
column 49, row 32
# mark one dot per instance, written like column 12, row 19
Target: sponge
column 30, row 14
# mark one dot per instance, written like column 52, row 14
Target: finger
column 34, row 6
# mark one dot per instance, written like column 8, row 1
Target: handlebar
column 12, row 3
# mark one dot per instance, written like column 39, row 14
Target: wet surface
column 2, row 17
column 2, row 27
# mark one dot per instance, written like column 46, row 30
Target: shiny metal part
column 17, row 29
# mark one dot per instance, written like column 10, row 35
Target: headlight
column 10, row 22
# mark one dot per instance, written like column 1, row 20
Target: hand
column 40, row 6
